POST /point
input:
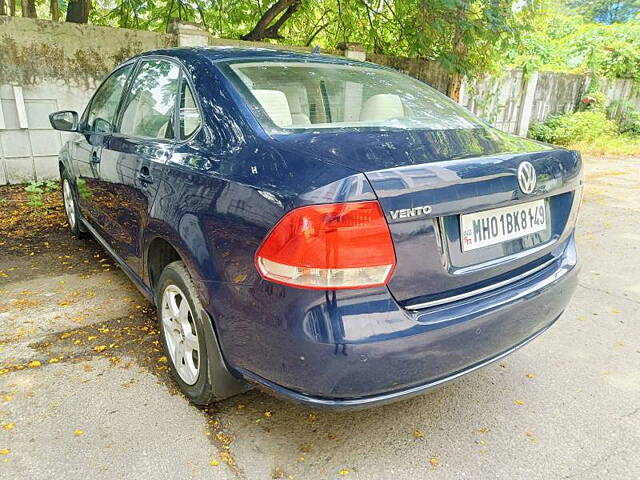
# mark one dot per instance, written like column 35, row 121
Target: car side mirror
column 65, row 120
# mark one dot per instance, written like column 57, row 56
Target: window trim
column 125, row 89
column 196, row 98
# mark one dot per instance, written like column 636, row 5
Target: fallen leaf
column 434, row 461
column 77, row 433
column 162, row 359
column 214, row 463
column 5, row 451
column 344, row 471
column 418, row 434
column 519, row 402
column 529, row 375
column 9, row 426
column 34, row 364
column 267, row 414
column 100, row 348
column 239, row 278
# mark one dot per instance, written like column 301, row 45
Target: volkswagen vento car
column 333, row 231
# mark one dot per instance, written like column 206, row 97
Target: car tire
column 189, row 340
column 70, row 202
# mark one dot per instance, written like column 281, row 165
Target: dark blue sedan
column 333, row 231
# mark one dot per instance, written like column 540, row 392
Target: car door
column 96, row 126
column 133, row 158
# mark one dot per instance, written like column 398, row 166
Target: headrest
column 276, row 105
column 382, row 107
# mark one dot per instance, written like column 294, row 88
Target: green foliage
column 573, row 127
column 593, row 102
column 83, row 190
column 466, row 36
column 562, row 41
column 621, row 145
column 35, row 193
column 626, row 115
column 606, row 11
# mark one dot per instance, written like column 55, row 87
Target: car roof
column 217, row 54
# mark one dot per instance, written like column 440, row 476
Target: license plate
column 482, row 229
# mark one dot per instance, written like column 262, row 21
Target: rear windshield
column 307, row 95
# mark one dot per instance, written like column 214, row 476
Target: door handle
column 144, row 177
column 94, row 157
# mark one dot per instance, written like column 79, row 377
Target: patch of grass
column 36, row 192
column 614, row 146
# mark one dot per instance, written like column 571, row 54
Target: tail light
column 333, row 246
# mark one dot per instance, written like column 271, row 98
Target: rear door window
column 149, row 109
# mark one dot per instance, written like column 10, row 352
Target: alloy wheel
column 69, row 203
column 180, row 334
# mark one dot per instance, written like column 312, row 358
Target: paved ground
column 84, row 392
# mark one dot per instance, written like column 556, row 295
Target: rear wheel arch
column 159, row 254
column 219, row 383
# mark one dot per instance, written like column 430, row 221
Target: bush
column 574, row 127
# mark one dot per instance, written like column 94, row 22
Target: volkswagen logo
column 526, row 177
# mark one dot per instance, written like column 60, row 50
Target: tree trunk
column 54, row 8
column 459, row 50
column 264, row 28
column 3, row 8
column 28, row 8
column 78, row 11
column 12, row 8
column 453, row 89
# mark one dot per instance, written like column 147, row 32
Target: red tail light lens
column 341, row 245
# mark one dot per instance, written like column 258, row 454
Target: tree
column 607, row 11
column 78, row 11
column 467, row 37
column 268, row 26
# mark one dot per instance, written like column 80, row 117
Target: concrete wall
column 47, row 66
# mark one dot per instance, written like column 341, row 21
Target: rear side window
column 149, row 108
column 189, row 115
column 102, row 110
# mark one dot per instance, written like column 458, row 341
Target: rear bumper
column 357, row 349
column 381, row 399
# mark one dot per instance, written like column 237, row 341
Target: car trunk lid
column 425, row 180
